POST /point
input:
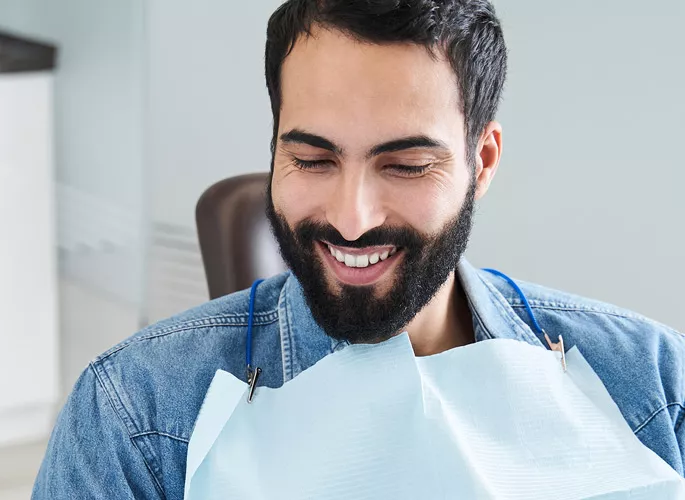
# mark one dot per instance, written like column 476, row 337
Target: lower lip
column 358, row 276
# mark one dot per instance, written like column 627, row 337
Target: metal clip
column 559, row 347
column 252, row 377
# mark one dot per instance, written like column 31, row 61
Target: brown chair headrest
column 235, row 238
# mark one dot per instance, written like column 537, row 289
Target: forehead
column 358, row 92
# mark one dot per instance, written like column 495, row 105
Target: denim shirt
column 124, row 430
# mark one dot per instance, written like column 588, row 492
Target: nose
column 355, row 205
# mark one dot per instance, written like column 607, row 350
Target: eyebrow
column 413, row 142
column 297, row 136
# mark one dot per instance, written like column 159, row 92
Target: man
column 384, row 138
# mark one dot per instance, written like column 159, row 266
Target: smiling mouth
column 360, row 266
column 361, row 257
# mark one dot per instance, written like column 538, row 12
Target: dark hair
column 466, row 31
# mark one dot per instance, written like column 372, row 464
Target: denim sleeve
column 90, row 454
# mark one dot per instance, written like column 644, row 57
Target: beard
column 355, row 313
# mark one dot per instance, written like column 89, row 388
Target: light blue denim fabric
column 124, row 430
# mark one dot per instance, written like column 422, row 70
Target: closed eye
column 311, row 164
column 402, row 170
column 410, row 170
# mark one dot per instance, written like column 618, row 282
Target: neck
column 445, row 322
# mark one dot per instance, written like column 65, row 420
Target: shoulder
column 157, row 378
column 640, row 361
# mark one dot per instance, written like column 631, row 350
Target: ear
column 488, row 154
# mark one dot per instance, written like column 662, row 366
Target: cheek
column 294, row 198
column 429, row 207
column 427, row 214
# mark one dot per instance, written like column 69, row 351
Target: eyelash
column 408, row 170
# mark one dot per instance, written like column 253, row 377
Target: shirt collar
column 304, row 342
column 493, row 317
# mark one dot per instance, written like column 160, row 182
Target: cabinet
column 29, row 368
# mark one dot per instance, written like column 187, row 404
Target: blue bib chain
column 559, row 347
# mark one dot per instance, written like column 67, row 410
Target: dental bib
column 495, row 419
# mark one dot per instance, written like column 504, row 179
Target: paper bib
column 495, row 419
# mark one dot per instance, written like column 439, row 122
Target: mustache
column 308, row 231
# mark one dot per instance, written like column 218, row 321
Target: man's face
column 371, row 196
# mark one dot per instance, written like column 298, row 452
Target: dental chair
column 235, row 238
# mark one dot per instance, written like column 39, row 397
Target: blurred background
column 128, row 110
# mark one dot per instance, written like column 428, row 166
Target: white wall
column 589, row 193
column 209, row 114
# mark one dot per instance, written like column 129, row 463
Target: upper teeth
column 360, row 260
